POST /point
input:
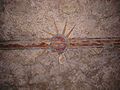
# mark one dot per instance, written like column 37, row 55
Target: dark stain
column 2, row 8
column 7, row 86
column 43, row 86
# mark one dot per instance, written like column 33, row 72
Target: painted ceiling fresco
column 59, row 44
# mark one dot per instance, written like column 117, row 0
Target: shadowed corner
column 2, row 8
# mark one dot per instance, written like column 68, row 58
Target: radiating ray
column 64, row 28
column 48, row 32
column 43, row 52
column 70, row 31
column 69, row 64
column 56, row 28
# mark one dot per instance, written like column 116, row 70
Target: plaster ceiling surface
column 82, row 68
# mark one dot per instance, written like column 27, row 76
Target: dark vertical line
column 2, row 8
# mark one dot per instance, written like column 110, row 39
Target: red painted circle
column 58, row 43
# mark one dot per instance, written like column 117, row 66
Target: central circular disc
column 58, row 43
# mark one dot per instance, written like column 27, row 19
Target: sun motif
column 59, row 41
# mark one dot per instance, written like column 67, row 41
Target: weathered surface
column 83, row 68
